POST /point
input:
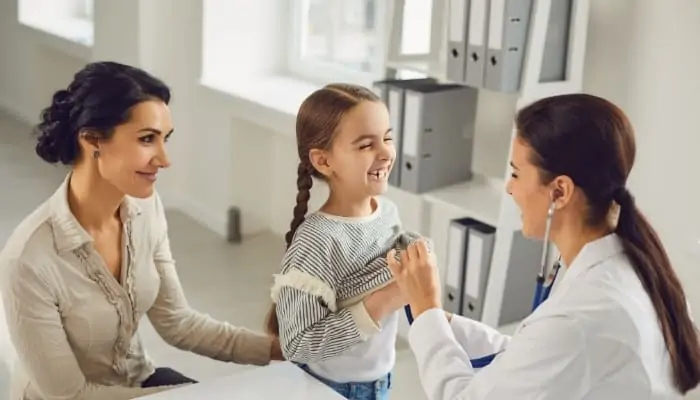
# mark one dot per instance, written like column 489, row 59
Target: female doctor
column 616, row 327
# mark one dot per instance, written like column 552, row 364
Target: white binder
column 476, row 47
column 457, row 41
column 507, row 36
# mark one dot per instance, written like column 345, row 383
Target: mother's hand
column 417, row 275
column 276, row 350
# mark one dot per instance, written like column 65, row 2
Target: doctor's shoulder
column 609, row 301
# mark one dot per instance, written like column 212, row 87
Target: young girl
column 335, row 303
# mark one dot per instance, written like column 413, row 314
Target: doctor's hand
column 416, row 274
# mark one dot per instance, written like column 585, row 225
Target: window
column 69, row 19
column 348, row 40
column 416, row 27
column 334, row 40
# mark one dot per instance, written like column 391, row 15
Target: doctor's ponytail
column 591, row 141
column 653, row 267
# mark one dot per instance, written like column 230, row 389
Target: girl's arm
column 312, row 329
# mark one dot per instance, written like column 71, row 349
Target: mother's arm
column 181, row 326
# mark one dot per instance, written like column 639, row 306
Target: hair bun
column 56, row 141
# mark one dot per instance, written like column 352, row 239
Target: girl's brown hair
column 591, row 141
column 316, row 126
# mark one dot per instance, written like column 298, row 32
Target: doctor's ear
column 562, row 190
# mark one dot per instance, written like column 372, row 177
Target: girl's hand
column 417, row 276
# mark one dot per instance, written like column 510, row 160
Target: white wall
column 643, row 55
column 28, row 73
column 639, row 55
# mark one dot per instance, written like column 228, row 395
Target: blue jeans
column 375, row 390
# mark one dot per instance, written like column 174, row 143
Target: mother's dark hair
column 591, row 141
column 100, row 98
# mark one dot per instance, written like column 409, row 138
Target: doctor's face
column 529, row 193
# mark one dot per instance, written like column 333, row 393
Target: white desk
column 281, row 380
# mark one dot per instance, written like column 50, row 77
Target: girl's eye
column 388, row 139
column 365, row 146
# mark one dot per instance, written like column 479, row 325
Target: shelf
column 479, row 198
column 73, row 36
column 423, row 67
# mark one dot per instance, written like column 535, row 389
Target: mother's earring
column 96, row 154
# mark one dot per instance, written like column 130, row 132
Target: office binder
column 523, row 263
column 476, row 43
column 457, row 41
column 507, row 36
column 478, row 253
column 437, row 136
column 395, row 105
column 392, row 94
column 456, row 260
column 556, row 47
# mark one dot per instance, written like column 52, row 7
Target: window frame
column 324, row 72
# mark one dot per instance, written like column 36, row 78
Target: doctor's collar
column 594, row 253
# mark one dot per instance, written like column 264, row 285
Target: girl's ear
column 319, row 160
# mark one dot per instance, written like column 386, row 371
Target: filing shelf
column 482, row 198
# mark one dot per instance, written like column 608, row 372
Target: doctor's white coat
column 596, row 338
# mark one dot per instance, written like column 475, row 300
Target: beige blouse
column 74, row 326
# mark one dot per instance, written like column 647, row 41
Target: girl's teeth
column 378, row 174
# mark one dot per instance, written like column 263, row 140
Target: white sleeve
column 476, row 338
column 545, row 361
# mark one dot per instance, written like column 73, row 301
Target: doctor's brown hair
column 591, row 141
column 316, row 126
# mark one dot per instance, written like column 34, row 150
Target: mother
column 79, row 273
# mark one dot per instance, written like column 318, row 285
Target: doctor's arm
column 545, row 360
column 476, row 338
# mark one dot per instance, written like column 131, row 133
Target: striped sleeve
column 311, row 326
column 311, row 332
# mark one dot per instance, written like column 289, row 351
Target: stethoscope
column 543, row 286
